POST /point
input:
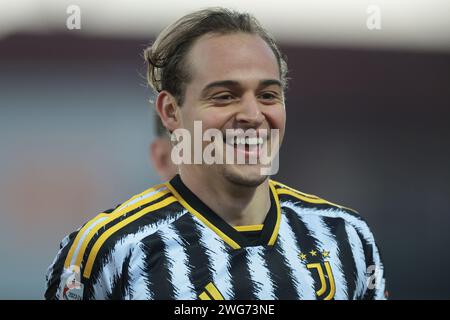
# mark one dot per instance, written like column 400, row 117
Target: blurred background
column 368, row 122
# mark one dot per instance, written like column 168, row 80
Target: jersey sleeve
column 68, row 283
column 56, row 272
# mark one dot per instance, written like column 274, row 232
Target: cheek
column 276, row 117
column 213, row 118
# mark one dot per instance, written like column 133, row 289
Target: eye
column 268, row 96
column 223, row 98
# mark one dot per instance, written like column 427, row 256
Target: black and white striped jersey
column 165, row 243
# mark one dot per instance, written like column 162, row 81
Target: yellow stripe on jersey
column 204, row 296
column 309, row 199
column 211, row 288
column 295, row 190
column 91, row 228
column 67, row 262
column 101, row 240
column 113, row 216
column 273, row 238
column 183, row 202
column 255, row 227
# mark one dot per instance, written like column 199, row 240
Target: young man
column 220, row 230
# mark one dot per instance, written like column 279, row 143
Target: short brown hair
column 165, row 58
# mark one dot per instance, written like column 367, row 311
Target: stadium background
column 368, row 123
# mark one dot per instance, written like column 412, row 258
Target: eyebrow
column 234, row 83
column 270, row 82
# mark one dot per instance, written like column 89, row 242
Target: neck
column 236, row 204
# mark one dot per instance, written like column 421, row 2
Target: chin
column 244, row 175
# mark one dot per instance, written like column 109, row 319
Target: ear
column 168, row 110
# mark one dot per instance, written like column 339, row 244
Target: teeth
column 247, row 140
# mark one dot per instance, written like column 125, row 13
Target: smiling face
column 234, row 84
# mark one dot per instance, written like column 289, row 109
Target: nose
column 250, row 112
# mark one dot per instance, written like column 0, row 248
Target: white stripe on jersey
column 326, row 241
column 138, row 278
column 112, row 267
column 259, row 273
column 218, row 257
column 80, row 242
column 177, row 263
column 103, row 284
column 301, row 276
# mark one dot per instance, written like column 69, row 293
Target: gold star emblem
column 313, row 253
column 302, row 256
column 325, row 253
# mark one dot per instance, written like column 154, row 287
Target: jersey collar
column 230, row 235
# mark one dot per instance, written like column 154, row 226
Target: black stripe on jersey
column 240, row 275
column 281, row 274
column 112, row 209
column 128, row 229
column 368, row 255
column 199, row 263
column 368, row 252
column 157, row 263
column 54, row 279
column 217, row 221
column 252, row 236
column 121, row 283
column 305, row 241
column 168, row 212
column 269, row 223
column 337, row 228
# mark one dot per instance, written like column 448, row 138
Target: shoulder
column 289, row 194
column 307, row 204
column 113, row 234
